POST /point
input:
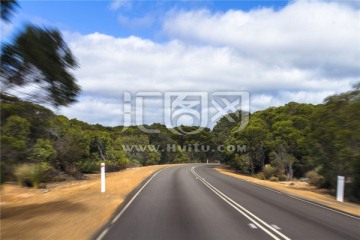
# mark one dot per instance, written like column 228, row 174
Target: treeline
column 318, row 142
column 37, row 145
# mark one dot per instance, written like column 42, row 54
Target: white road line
column 300, row 199
column 253, row 226
column 134, row 197
column 243, row 210
column 275, row 226
column 103, row 233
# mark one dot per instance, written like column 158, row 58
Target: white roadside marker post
column 340, row 188
column 102, row 171
column 207, row 161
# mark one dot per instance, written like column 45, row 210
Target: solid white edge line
column 257, row 218
column 232, row 203
column 297, row 198
column 252, row 220
column 103, row 233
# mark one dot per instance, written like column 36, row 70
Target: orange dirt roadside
column 67, row 210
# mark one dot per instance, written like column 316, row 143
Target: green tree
column 242, row 162
column 43, row 151
column 335, row 138
column 255, row 137
column 139, row 150
column 14, row 139
column 40, row 57
column 222, row 131
column 71, row 143
column 285, row 138
column 7, row 9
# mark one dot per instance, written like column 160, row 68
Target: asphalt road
column 196, row 202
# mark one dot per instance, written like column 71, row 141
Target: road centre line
column 254, row 219
column 300, row 199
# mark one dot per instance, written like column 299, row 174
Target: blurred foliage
column 40, row 57
column 7, row 9
column 317, row 141
column 295, row 140
column 30, row 174
column 315, row 178
column 43, row 151
column 334, row 139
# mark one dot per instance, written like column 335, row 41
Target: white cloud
column 302, row 53
column 116, row 4
column 303, row 34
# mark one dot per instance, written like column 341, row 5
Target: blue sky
column 277, row 51
column 106, row 17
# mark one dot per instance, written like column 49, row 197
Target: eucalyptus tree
column 39, row 58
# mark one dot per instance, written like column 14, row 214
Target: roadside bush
column 282, row 177
column 241, row 163
column 260, row 176
column 274, row 179
column 31, row 175
column 268, row 171
column 2, row 172
column 72, row 170
column 112, row 166
column 315, row 178
column 89, row 166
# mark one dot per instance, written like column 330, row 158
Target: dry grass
column 301, row 190
column 68, row 210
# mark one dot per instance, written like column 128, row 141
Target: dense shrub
column 2, row 172
column 315, row 178
column 72, row 170
column 260, row 176
column 282, row 177
column 43, row 151
column 268, row 171
column 274, row 179
column 241, row 163
column 111, row 166
column 30, row 174
column 89, row 167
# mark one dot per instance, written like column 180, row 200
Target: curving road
column 196, row 202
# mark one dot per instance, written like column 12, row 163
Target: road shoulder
column 71, row 210
column 301, row 192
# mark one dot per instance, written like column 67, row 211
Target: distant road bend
column 196, row 202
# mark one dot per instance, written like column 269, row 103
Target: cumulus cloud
column 303, row 53
column 304, row 34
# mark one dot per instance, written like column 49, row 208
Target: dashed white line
column 301, row 199
column 253, row 226
column 276, row 227
column 246, row 213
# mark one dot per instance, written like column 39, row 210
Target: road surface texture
column 196, row 202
